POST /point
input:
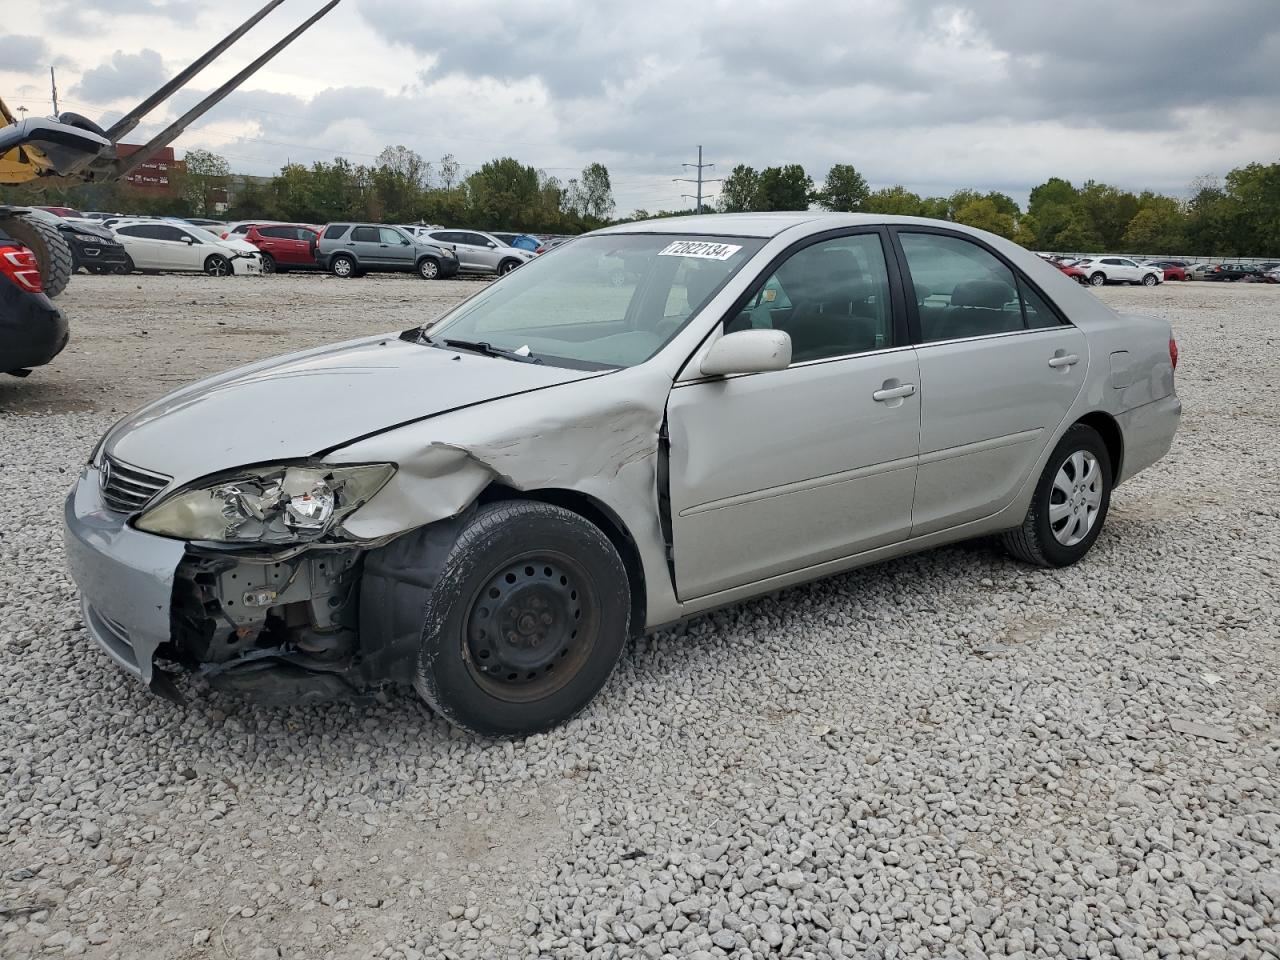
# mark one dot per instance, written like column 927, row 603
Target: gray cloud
column 124, row 75
column 78, row 17
column 23, row 53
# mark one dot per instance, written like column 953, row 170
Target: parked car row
column 1100, row 270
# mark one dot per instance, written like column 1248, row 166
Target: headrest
column 991, row 294
column 698, row 284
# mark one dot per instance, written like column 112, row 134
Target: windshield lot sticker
column 700, row 249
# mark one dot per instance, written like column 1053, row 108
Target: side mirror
column 747, row 351
column 189, row 241
column 491, row 245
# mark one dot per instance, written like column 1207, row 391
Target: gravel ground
column 947, row 755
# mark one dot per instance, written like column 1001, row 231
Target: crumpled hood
column 300, row 404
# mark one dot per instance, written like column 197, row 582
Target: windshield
column 604, row 301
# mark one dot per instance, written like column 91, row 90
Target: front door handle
column 1064, row 361
column 893, row 393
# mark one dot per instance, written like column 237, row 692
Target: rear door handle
column 893, row 393
column 1069, row 360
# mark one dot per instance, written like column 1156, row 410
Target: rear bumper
column 1148, row 433
column 125, row 578
column 32, row 330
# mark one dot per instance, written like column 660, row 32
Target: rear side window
column 277, row 233
column 1037, row 312
column 961, row 289
column 365, row 234
column 334, row 231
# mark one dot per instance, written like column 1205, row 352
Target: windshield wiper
column 489, row 350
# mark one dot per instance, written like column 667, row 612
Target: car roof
column 768, row 225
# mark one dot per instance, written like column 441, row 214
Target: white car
column 1100, row 270
column 479, row 252
column 161, row 245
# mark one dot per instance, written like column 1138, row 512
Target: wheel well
column 1109, row 430
column 604, row 518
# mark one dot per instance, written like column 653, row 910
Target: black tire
column 429, row 268
column 556, row 580
column 506, row 266
column 1035, row 542
column 343, row 266
column 216, row 265
column 1097, row 279
column 268, row 263
column 50, row 248
column 126, row 267
column 1149, row 280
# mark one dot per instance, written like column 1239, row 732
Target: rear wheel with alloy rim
column 526, row 622
column 1070, row 502
column 217, row 266
column 268, row 263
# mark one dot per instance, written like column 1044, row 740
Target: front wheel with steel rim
column 525, row 624
column 1070, row 502
column 217, row 266
column 428, row 269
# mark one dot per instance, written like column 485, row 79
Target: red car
column 285, row 246
column 1071, row 270
column 1173, row 269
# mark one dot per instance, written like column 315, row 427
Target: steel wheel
column 1076, row 498
column 343, row 267
column 531, row 626
column 428, row 269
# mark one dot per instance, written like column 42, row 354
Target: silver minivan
column 480, row 252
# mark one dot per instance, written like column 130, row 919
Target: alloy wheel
column 1075, row 498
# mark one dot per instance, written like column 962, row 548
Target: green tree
column 1109, row 209
column 205, row 180
column 895, row 201
column 596, row 192
column 844, row 189
column 784, row 188
column 503, row 193
column 739, row 191
column 985, row 214
column 1078, row 235
column 1253, row 192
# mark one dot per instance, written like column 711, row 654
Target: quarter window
column 831, row 298
column 961, row 289
column 1038, row 313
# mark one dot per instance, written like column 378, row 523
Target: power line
column 699, row 166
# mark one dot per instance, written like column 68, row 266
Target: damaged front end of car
column 265, row 601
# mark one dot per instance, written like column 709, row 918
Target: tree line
column 400, row 187
column 1237, row 216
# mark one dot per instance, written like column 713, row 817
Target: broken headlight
column 274, row 505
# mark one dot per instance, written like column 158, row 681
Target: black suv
column 350, row 249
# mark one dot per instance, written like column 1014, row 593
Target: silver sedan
column 654, row 420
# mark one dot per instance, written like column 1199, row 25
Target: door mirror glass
column 747, row 351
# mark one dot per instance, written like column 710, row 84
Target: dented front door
column 774, row 472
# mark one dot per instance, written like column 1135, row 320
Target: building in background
column 158, row 176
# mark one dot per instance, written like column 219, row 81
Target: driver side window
column 831, row 298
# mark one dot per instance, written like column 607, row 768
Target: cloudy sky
column 994, row 94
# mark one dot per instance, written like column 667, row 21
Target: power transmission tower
column 699, row 180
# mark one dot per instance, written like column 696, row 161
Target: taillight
column 1173, row 352
column 19, row 265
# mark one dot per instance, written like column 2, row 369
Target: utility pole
column 699, row 180
column 53, row 84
